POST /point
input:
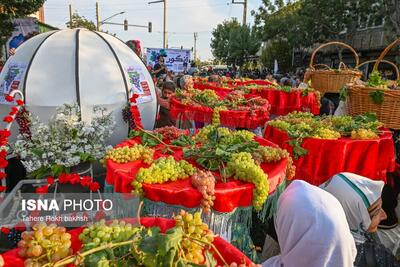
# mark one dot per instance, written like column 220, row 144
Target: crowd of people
column 335, row 224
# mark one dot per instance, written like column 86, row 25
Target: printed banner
column 139, row 84
column 11, row 81
column 176, row 60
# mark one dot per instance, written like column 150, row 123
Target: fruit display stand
column 232, row 205
column 227, row 251
column 281, row 101
column 249, row 119
column 371, row 158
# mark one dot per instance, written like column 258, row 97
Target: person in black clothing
column 164, row 119
column 159, row 68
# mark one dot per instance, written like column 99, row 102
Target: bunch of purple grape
column 127, row 117
column 24, row 121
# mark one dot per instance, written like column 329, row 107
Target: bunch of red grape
column 45, row 243
column 127, row 117
column 204, row 181
column 24, row 121
column 169, row 132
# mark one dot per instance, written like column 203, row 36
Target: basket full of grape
column 146, row 242
column 376, row 95
column 329, row 80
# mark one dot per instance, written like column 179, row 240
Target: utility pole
column 97, row 17
column 165, row 36
column 70, row 16
column 194, row 48
column 244, row 3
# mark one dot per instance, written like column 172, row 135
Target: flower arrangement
column 66, row 141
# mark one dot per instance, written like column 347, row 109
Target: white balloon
column 77, row 65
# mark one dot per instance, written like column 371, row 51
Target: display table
column 229, row 252
column 325, row 158
column 249, row 119
column 281, row 102
column 232, row 206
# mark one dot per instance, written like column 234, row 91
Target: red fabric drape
column 281, row 103
column 249, row 119
column 325, row 158
column 229, row 252
column 229, row 195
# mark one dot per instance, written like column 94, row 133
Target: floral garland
column 69, row 178
column 5, row 134
column 135, row 111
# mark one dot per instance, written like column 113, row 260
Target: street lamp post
column 104, row 20
column 165, row 40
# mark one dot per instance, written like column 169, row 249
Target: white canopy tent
column 77, row 65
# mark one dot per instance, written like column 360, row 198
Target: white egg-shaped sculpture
column 82, row 66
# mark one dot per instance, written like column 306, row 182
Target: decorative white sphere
column 77, row 65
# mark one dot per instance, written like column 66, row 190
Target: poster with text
column 138, row 84
column 176, row 60
column 11, row 81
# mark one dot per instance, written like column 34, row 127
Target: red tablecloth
column 229, row 118
column 229, row 252
column 325, row 158
column 281, row 102
column 228, row 195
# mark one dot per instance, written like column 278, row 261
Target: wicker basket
column 329, row 80
column 360, row 102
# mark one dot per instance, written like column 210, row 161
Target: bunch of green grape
column 45, row 243
column 280, row 124
column 127, row 154
column 216, row 119
column 162, row 170
column 100, row 233
column 272, row 154
column 195, row 233
column 325, row 133
column 363, row 134
column 243, row 167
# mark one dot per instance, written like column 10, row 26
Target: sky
column 184, row 17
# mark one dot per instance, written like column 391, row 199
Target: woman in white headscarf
column 361, row 200
column 312, row 230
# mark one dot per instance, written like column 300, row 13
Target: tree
column 80, row 22
column 304, row 23
column 234, row 43
column 11, row 9
column 221, row 37
column 280, row 51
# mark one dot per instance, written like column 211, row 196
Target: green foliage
column 377, row 96
column 81, row 22
column 234, row 43
column 219, row 147
column 375, row 79
column 147, row 139
column 279, row 50
column 303, row 23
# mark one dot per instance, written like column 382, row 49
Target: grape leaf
column 343, row 93
column 377, row 96
column 170, row 240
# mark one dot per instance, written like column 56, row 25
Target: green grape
column 43, row 240
column 243, row 167
column 162, row 170
column 127, row 154
column 194, row 229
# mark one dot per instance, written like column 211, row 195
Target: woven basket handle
column 322, row 65
column 383, row 61
column 383, row 54
column 333, row 43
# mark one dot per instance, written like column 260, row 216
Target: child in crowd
column 167, row 91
